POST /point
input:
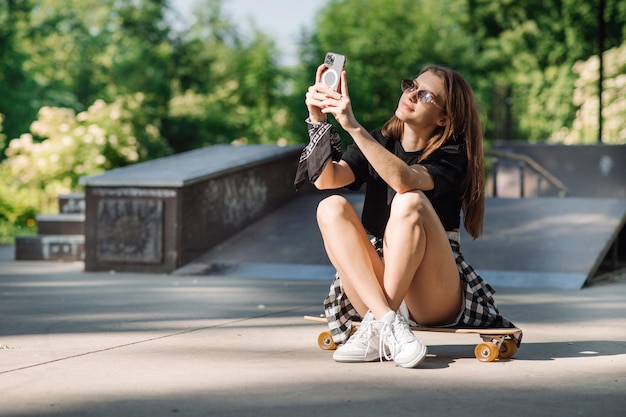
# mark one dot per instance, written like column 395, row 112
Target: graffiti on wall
column 234, row 200
column 130, row 230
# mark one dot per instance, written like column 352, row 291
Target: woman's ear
column 442, row 121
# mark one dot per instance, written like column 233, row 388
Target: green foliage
column 16, row 84
column 63, row 146
column 8, row 232
column 530, row 48
column 63, row 60
column 518, row 56
column 584, row 129
column 3, row 137
column 17, row 217
column 229, row 88
column 89, row 85
column 70, row 53
column 385, row 41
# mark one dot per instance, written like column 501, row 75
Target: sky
column 282, row 20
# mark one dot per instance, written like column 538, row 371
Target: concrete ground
column 119, row 344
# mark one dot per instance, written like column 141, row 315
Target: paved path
column 106, row 344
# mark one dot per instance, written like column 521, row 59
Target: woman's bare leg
column 371, row 286
column 419, row 263
column 352, row 254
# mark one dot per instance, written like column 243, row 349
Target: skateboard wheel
column 325, row 341
column 486, row 352
column 508, row 348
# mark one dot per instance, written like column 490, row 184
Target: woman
column 421, row 170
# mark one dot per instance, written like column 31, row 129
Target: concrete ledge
column 158, row 215
column 191, row 167
column 50, row 248
column 72, row 203
column 61, row 224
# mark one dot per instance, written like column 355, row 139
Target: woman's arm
column 396, row 173
column 335, row 175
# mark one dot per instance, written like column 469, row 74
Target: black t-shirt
column 447, row 166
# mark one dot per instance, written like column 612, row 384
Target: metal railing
column 523, row 162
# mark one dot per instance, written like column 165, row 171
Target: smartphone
column 334, row 65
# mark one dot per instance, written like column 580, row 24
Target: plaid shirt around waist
column 480, row 309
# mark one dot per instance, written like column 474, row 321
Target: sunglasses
column 425, row 96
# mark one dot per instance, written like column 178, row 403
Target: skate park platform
column 527, row 243
column 228, row 339
column 119, row 344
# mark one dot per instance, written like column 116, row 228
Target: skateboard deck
column 497, row 342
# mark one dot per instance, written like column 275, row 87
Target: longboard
column 497, row 342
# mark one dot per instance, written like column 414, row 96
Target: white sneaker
column 404, row 348
column 363, row 345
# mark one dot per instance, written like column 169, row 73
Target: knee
column 330, row 209
column 409, row 206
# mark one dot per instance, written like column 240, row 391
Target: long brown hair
column 462, row 123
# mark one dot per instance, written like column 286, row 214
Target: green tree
column 518, row 56
column 97, row 84
column 138, row 56
column 228, row 86
column 16, row 85
column 3, row 137
column 530, row 47
column 385, row 41
column 69, row 53
column 584, row 129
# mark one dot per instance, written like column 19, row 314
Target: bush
column 584, row 130
column 63, row 146
column 14, row 220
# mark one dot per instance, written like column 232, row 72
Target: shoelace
column 363, row 336
column 392, row 337
column 402, row 331
column 387, row 343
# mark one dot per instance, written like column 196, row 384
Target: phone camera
column 330, row 59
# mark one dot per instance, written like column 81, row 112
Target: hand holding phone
column 335, row 63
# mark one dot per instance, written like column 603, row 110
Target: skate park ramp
column 545, row 242
column 529, row 243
